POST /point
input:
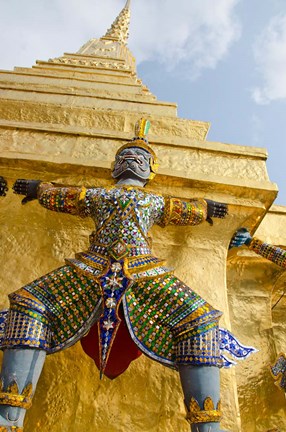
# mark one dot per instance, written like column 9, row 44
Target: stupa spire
column 110, row 51
column 119, row 30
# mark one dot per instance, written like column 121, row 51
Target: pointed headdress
column 140, row 140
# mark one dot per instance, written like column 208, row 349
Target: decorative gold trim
column 180, row 212
column 116, row 253
column 101, row 267
column 138, row 142
column 11, row 429
column 208, row 414
column 14, row 398
column 144, row 267
column 85, row 272
column 82, row 194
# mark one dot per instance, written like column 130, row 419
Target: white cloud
column 270, row 56
column 192, row 34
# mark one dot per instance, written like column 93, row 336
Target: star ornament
column 110, row 303
column 108, row 325
column 114, row 282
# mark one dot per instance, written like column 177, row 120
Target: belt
column 119, row 249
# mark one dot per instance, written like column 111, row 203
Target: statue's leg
column 201, row 387
column 33, row 326
column 21, row 370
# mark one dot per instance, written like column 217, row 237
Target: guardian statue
column 119, row 292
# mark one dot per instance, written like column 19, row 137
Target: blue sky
column 222, row 61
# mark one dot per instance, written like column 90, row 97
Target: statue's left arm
column 192, row 212
column 266, row 250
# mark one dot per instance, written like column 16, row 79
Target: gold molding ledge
column 211, row 146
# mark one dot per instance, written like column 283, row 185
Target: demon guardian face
column 132, row 162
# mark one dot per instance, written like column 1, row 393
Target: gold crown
column 140, row 140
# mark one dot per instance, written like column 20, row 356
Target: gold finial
column 120, row 28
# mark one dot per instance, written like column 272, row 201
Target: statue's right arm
column 66, row 199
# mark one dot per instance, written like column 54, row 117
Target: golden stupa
column 63, row 120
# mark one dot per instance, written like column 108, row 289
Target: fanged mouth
column 132, row 163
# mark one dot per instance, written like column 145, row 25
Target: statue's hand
column 241, row 237
column 28, row 188
column 3, row 186
column 216, row 210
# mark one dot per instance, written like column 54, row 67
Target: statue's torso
column 124, row 214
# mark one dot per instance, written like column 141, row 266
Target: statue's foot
column 11, row 419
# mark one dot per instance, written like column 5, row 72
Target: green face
column 132, row 162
